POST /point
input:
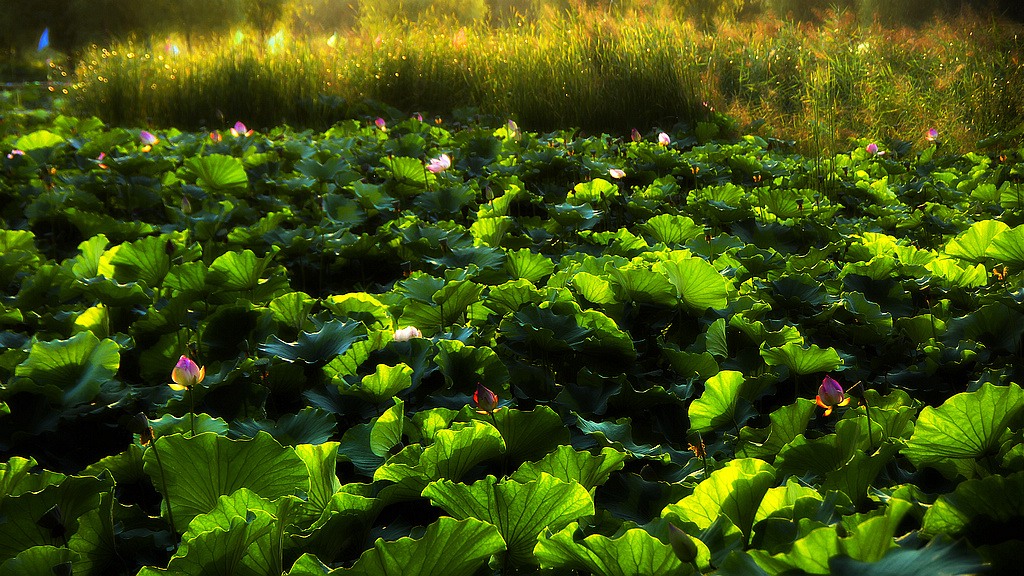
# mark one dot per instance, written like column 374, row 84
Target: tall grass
column 593, row 70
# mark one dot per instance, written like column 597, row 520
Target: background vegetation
column 817, row 72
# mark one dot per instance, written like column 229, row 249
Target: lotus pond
column 406, row 347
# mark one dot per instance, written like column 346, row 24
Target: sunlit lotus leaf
column 966, row 426
column 465, row 366
column 511, row 296
column 520, row 510
column 787, row 423
column 633, row 552
column 385, row 382
column 802, row 360
column 1008, row 248
column 972, row 244
column 218, row 173
column 672, row 229
column 386, row 432
column 144, row 260
column 527, row 264
column 238, row 270
column 194, row 472
column 448, row 546
column 734, row 491
column 69, row 371
column 590, row 470
column 697, row 283
column 716, row 406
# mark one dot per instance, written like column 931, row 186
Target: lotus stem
column 167, row 494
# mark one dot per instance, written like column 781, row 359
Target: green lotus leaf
column 323, row 170
column 618, row 434
column 528, row 435
column 94, row 540
column 802, row 360
column 544, row 328
column 307, row 426
column 977, row 507
column 41, row 560
column 810, row 554
column 17, row 477
column 18, row 254
column 568, row 465
column 350, row 361
column 466, row 366
column 631, row 553
column 144, row 260
column 240, row 548
column 69, row 372
column 355, row 448
column 1008, row 247
column 170, row 424
column 321, row 463
column 451, row 547
column 342, row 524
column 609, row 343
column 360, row 306
column 690, row 364
column 238, row 270
column 385, row 382
column 697, row 283
column 734, row 491
column 996, row 325
column 786, row 424
column 292, row 309
column 868, row 312
column 594, row 288
column 716, row 406
column 308, row 565
column 966, row 426
column 509, row 297
column 641, row 285
column 189, row 277
column 332, row 339
column 489, row 231
column 218, row 173
column 386, row 432
column 454, row 452
column 448, row 304
column 781, row 501
column 596, row 191
column 38, row 140
column 528, row 265
column 24, row 525
column 871, row 539
column 920, row 328
column 520, row 510
column 855, row 476
column 956, row 275
column 406, row 176
column 672, row 229
column 972, row 243
column 935, row 558
column 192, row 473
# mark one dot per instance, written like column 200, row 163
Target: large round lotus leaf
column 192, row 473
column 967, row 426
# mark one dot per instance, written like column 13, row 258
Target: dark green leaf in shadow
column 332, row 339
column 70, row 371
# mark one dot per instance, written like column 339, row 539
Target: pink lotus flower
column 634, row 134
column 418, row 116
column 871, row 148
column 215, row 136
column 513, row 128
column 440, row 164
column 486, row 401
column 380, row 123
column 100, row 160
column 616, row 173
column 830, row 395
column 239, row 130
column 932, row 135
column 147, row 138
column 406, row 334
column 664, row 139
column 186, row 374
column 14, row 153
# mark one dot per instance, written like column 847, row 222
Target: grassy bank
column 823, row 83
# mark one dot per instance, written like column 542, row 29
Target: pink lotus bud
column 148, row 138
column 664, row 139
column 381, row 123
column 871, row 148
column 14, row 153
column 830, row 395
column 239, row 130
column 186, row 374
column 616, row 173
column 485, row 400
column 634, row 134
column 932, row 135
column 418, row 116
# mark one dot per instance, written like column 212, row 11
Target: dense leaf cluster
column 656, row 341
